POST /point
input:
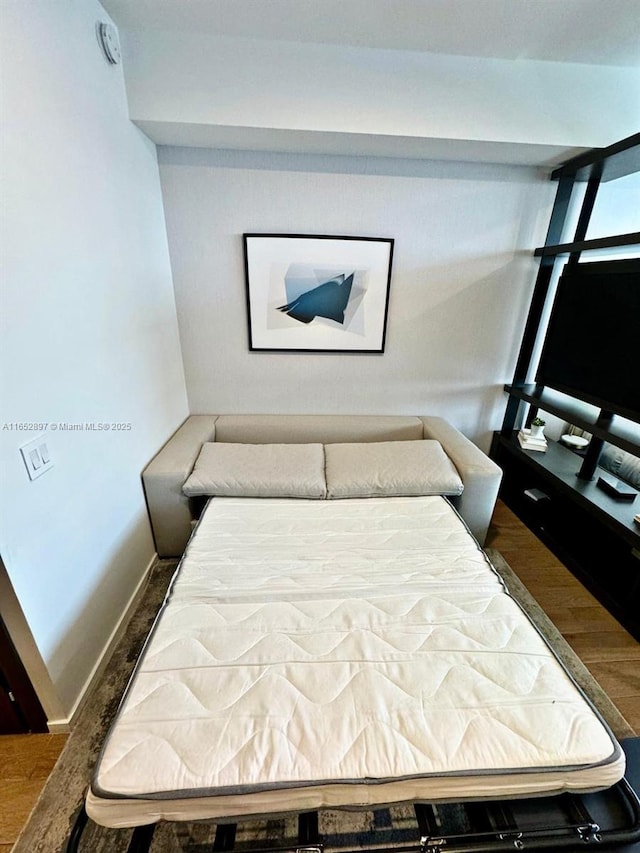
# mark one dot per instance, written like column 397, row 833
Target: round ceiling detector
column 108, row 38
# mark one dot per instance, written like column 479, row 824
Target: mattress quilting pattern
column 307, row 643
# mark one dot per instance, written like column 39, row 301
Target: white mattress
column 323, row 653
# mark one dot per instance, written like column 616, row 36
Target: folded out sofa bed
column 334, row 637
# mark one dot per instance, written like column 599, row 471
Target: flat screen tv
column 592, row 345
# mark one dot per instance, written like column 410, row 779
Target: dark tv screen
column 592, row 346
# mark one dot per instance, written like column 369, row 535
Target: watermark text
column 67, row 426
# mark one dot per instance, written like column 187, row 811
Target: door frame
column 24, row 704
column 29, row 656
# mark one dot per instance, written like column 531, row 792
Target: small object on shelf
column 527, row 435
column 575, row 442
column 536, row 495
column 617, row 489
column 531, row 442
column 636, row 518
column 537, row 428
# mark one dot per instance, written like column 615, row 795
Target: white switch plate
column 37, row 457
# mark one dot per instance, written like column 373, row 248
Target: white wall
column 188, row 88
column 88, row 332
column 462, row 278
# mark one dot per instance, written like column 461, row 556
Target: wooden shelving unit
column 578, row 412
column 585, row 245
column 592, row 533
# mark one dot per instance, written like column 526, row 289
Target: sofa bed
column 335, row 637
column 172, row 513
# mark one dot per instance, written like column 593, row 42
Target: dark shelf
column 616, row 161
column 588, row 529
column 560, row 466
column 620, row 432
column 631, row 239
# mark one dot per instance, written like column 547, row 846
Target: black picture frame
column 316, row 293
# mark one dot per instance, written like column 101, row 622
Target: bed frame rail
column 566, row 822
column 309, row 840
column 504, row 825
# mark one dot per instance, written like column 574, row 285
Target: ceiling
column 597, row 32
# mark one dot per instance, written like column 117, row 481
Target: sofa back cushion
column 390, row 469
column 323, row 429
column 624, row 465
column 258, row 470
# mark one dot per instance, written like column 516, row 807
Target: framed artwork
column 317, row 294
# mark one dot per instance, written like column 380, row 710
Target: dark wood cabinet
column 592, row 533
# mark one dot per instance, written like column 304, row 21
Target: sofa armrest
column 163, row 478
column 480, row 475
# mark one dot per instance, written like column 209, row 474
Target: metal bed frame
column 610, row 818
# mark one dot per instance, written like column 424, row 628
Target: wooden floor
column 25, row 762
column 612, row 655
column 609, row 652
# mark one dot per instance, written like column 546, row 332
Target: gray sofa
column 172, row 513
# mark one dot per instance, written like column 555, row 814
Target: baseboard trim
column 66, row 724
column 59, row 727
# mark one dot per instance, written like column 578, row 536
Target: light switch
column 36, row 456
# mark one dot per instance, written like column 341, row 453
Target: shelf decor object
column 532, row 441
column 316, row 293
column 537, row 428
